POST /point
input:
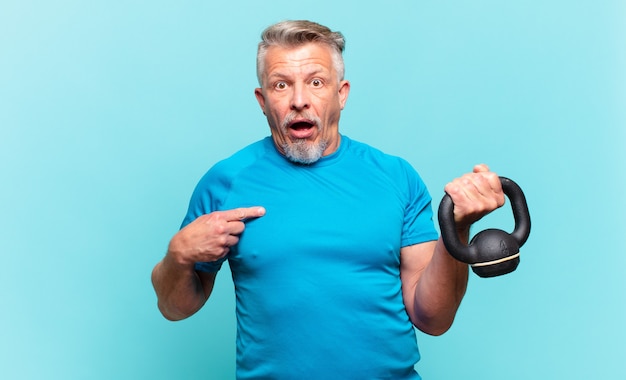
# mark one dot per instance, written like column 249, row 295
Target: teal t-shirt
column 317, row 279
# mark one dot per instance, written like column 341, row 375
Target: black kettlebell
column 491, row 252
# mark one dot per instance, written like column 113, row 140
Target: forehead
column 281, row 60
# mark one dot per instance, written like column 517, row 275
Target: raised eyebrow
column 318, row 73
column 277, row 77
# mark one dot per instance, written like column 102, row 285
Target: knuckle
column 241, row 214
column 219, row 229
column 215, row 216
column 451, row 187
column 486, row 176
column 221, row 252
column 492, row 206
column 501, row 200
column 222, row 241
column 494, row 180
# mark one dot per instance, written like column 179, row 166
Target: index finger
column 243, row 213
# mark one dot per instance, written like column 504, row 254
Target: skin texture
column 302, row 98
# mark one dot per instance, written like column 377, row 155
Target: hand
column 210, row 236
column 475, row 195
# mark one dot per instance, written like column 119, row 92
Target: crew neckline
column 330, row 159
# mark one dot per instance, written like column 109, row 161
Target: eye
column 316, row 83
column 280, row 85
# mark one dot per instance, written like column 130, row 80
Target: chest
column 318, row 220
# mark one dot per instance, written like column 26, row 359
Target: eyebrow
column 280, row 75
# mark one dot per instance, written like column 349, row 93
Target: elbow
column 434, row 319
column 172, row 317
column 174, row 308
column 173, row 304
column 434, row 325
column 177, row 314
column 434, row 329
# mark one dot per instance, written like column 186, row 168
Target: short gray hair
column 294, row 33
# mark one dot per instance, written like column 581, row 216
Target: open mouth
column 302, row 129
column 301, row 125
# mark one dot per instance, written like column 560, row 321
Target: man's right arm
column 181, row 290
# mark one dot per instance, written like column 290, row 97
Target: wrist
column 175, row 258
column 464, row 234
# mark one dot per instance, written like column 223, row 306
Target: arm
column 433, row 282
column 180, row 289
column 433, row 285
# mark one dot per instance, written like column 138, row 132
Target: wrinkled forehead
column 313, row 56
column 306, row 53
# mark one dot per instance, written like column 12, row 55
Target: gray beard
column 303, row 152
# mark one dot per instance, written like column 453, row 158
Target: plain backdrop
column 110, row 112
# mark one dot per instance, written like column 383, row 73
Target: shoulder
column 399, row 175
column 242, row 158
column 393, row 165
column 215, row 185
column 223, row 171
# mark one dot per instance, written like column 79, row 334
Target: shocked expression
column 302, row 98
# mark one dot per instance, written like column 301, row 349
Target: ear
column 258, row 92
column 344, row 90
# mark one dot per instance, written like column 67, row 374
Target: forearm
column 439, row 291
column 434, row 283
column 179, row 289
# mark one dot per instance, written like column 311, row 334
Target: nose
column 300, row 98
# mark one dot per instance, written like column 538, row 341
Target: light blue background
column 110, row 111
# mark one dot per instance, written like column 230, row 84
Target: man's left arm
column 433, row 282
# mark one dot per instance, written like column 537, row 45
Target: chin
column 304, row 152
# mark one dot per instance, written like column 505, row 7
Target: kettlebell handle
column 471, row 254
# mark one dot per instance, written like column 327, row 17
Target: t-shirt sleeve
column 418, row 217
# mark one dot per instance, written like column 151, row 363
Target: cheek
column 275, row 120
column 332, row 111
column 276, row 110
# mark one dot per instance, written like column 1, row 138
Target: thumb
column 481, row 168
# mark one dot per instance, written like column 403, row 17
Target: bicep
column 415, row 258
column 413, row 261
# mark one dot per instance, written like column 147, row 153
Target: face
column 302, row 99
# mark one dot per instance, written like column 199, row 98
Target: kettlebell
column 491, row 252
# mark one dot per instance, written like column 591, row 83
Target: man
column 331, row 243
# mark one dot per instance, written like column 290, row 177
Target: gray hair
column 294, row 33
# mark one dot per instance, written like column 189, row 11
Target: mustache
column 293, row 116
